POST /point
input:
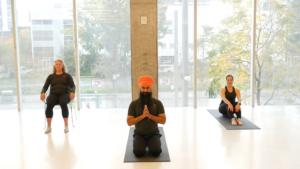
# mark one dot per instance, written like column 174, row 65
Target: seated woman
column 228, row 105
column 60, row 82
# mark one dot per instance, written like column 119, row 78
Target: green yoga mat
column 131, row 158
column 226, row 122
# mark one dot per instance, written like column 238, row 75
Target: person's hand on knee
column 237, row 108
column 230, row 107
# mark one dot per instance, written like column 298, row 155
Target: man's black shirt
column 145, row 127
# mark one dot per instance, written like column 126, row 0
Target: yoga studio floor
column 195, row 139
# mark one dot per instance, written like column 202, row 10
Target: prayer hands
column 237, row 108
column 146, row 111
column 230, row 107
column 72, row 96
column 43, row 96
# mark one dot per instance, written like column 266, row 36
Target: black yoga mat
column 226, row 122
column 131, row 158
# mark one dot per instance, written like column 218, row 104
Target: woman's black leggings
column 62, row 100
column 223, row 109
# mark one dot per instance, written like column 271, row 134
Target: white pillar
column 253, row 43
column 16, row 53
column 195, row 53
column 77, row 66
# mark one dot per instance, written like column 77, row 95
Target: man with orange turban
column 145, row 113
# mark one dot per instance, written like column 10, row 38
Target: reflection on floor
column 195, row 140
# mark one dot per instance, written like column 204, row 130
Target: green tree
column 25, row 48
column 25, row 51
column 104, row 29
column 162, row 25
column 203, row 64
column 104, row 32
column 7, row 57
column 104, row 37
column 277, row 55
column 67, row 54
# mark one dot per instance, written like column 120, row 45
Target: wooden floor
column 195, row 140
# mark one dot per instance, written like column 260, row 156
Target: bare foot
column 240, row 122
column 233, row 122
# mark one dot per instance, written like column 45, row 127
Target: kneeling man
column 145, row 113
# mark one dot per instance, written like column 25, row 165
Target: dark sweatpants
column 223, row 109
column 62, row 100
column 140, row 143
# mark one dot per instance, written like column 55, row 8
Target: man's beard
column 145, row 99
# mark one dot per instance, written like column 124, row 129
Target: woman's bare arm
column 238, row 95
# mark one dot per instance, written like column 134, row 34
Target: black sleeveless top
column 229, row 96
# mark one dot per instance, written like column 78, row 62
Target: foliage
column 161, row 21
column 7, row 55
column 104, row 30
column 25, row 47
column 67, row 53
column 276, row 51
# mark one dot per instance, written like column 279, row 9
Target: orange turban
column 146, row 80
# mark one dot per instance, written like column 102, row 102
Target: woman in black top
column 228, row 105
column 61, row 84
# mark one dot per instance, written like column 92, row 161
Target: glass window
column 175, row 29
column 224, row 47
column 68, row 38
column 48, row 33
column 41, row 45
column 37, row 22
column 278, row 54
column 68, row 43
column 49, row 55
column 168, row 22
column 57, row 5
column 68, row 26
column 42, row 35
column 8, row 98
column 47, row 38
column 68, row 22
column 172, row 46
column 47, row 22
column 38, row 49
column 37, row 38
column 48, row 49
column 38, row 55
column 105, row 58
column 37, row 33
column 163, row 46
